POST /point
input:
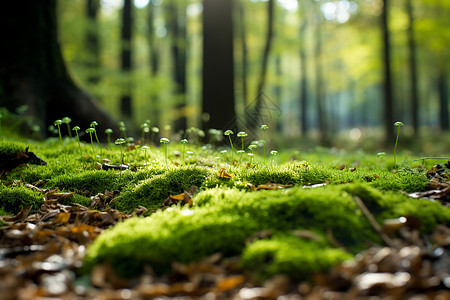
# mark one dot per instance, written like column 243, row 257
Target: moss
column 290, row 255
column 12, row 199
column 11, row 147
column 173, row 235
column 222, row 219
column 152, row 192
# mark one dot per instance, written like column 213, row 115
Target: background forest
column 316, row 69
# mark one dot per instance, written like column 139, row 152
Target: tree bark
column 413, row 68
column 33, row 72
column 265, row 62
column 126, row 99
column 388, row 98
column 177, row 31
column 218, row 72
column 92, row 40
column 243, row 37
column 443, row 101
column 154, row 58
column 303, row 71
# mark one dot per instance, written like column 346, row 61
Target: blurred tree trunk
column 243, row 38
column 319, row 81
column 218, row 72
column 154, row 58
column 92, row 40
column 303, row 71
column 33, row 72
column 176, row 23
column 443, row 100
column 259, row 117
column 413, row 68
column 125, row 101
column 388, row 98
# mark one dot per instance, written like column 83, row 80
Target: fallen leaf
column 273, row 186
column 223, row 174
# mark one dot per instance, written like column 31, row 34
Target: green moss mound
column 286, row 254
column 13, row 199
column 10, row 147
column 153, row 191
column 223, row 219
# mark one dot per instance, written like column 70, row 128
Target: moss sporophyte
column 242, row 135
column 90, row 131
column 93, row 124
column 229, row 133
column 145, row 129
column 398, row 125
column 108, row 133
column 67, row 120
column 165, row 141
column 264, row 128
column 184, row 142
column 76, row 128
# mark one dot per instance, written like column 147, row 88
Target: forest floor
column 325, row 225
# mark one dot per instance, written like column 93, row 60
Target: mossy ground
column 226, row 213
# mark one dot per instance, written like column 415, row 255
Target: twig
column 387, row 240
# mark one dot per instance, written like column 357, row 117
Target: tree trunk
column 177, row 31
column 125, row 102
column 265, row 62
column 388, row 99
column 443, row 101
column 32, row 69
column 320, row 89
column 218, row 73
column 243, row 37
column 92, row 41
column 154, row 58
column 413, row 68
column 303, row 80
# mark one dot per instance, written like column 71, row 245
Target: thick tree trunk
column 387, row 116
column 177, row 31
column 218, row 72
column 126, row 100
column 243, row 37
column 92, row 40
column 413, row 68
column 32, row 70
column 443, row 101
column 265, row 62
column 303, row 80
column 154, row 58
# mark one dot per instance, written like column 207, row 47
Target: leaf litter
column 41, row 254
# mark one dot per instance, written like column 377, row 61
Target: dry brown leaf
column 223, row 174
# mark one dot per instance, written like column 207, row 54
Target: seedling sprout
column 165, row 141
column 90, row 131
column 398, row 125
column 93, row 124
column 184, row 142
column 229, row 133
column 145, row 128
column 108, row 133
column 242, row 134
column 264, row 128
column 67, row 120
column 76, row 128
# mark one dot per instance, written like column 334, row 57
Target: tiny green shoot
column 165, row 141
column 93, row 124
column 398, row 125
column 58, row 124
column 76, row 128
column 264, row 128
column 90, row 131
column 184, row 142
column 120, row 142
column 242, row 134
column 67, row 120
column 145, row 128
column 229, row 133
column 108, row 133
column 145, row 149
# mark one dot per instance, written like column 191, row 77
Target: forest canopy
column 309, row 68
